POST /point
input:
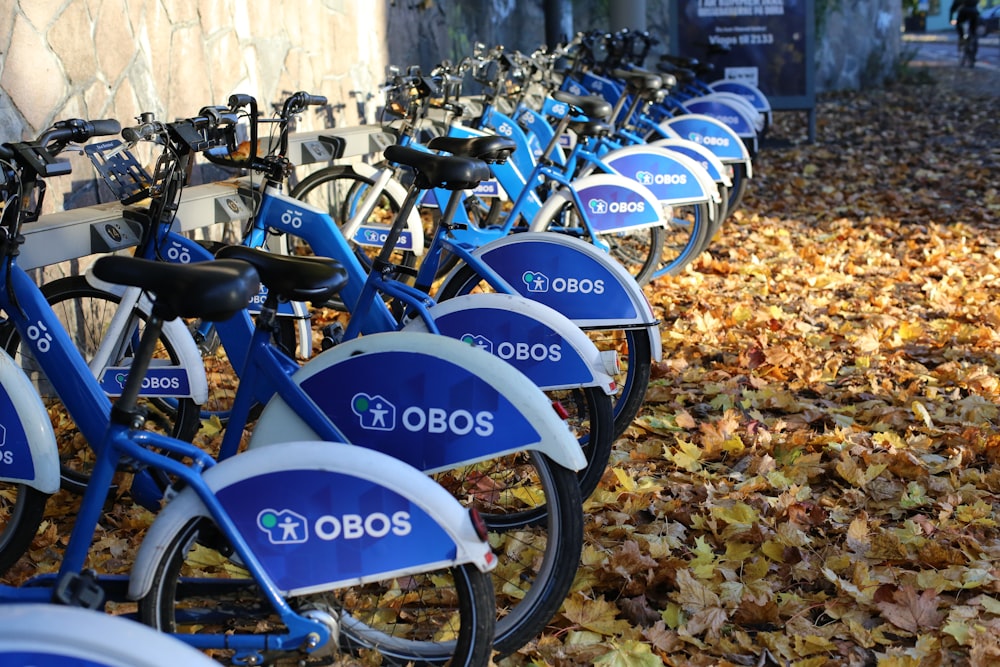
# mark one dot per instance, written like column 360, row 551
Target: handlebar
column 37, row 158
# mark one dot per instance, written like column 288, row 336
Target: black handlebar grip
column 313, row 100
column 105, row 127
column 238, row 100
column 137, row 133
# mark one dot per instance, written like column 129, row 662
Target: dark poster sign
column 771, row 44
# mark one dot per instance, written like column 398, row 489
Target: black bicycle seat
column 440, row 171
column 590, row 128
column 490, row 149
column 639, row 80
column 291, row 278
column 212, row 291
column 592, row 106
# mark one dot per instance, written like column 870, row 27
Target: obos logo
column 288, row 527
column 284, row 527
column 599, row 206
column 377, row 414
column 649, row 178
column 505, row 129
column 708, row 140
column 536, row 281
column 482, row 342
column 559, row 109
column 151, row 382
column 518, row 351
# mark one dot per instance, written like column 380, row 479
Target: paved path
column 941, row 48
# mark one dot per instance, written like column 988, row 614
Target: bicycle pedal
column 79, row 590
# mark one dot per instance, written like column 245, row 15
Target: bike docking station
column 110, row 227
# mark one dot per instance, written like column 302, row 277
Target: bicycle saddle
column 212, row 291
column 679, row 73
column 440, row 171
column 289, row 277
column 592, row 106
column 491, row 149
column 590, row 128
column 639, row 80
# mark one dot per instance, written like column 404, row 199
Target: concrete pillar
column 628, row 14
column 558, row 21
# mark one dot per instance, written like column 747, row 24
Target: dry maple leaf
column 912, row 611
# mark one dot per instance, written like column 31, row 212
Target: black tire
column 336, row 189
column 591, row 418
column 633, row 347
column 533, row 511
column 688, row 233
column 238, row 607
column 739, row 186
column 85, row 311
column 21, row 511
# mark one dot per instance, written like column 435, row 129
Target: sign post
column 771, row 45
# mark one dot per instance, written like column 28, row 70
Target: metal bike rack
column 102, row 228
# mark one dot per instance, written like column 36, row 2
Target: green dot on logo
column 468, row 339
column 361, row 404
column 528, row 277
column 269, row 520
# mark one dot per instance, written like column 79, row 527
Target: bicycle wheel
column 440, row 617
column 633, row 347
column 85, row 312
column 590, row 415
column 532, row 509
column 688, row 233
column 739, row 178
column 338, row 190
column 21, row 510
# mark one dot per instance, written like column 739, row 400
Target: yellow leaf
column 921, row 412
column 211, row 426
column 624, row 479
column 774, row 551
column 910, row 330
column 959, row 630
column 992, row 605
column 739, row 513
column 630, row 653
column 742, row 314
column 597, row 615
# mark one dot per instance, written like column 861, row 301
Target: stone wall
column 117, row 58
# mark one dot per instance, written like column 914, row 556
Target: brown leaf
column 912, row 611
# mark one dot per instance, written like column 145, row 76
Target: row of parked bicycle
column 415, row 489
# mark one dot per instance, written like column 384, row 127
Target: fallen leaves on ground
column 812, row 481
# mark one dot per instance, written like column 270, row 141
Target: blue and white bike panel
column 321, row 515
column 429, row 400
column 537, row 340
column 28, row 450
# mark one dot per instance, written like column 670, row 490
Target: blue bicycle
column 517, row 470
column 306, row 538
column 575, row 277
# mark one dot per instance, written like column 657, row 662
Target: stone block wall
column 118, row 58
